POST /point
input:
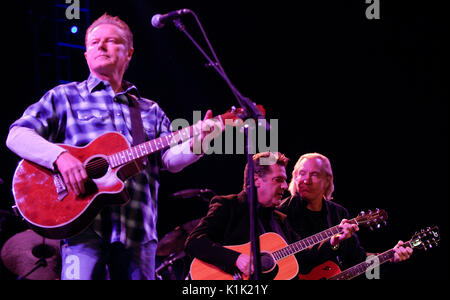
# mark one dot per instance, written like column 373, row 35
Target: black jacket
column 228, row 223
column 306, row 223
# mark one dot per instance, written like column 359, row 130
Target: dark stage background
column 366, row 93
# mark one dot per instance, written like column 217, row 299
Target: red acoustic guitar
column 277, row 257
column 425, row 239
column 53, row 211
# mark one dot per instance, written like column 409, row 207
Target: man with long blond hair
column 310, row 210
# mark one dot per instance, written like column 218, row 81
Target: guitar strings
column 100, row 164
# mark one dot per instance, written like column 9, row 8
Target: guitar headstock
column 372, row 219
column 426, row 238
column 235, row 116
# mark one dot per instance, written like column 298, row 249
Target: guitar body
column 285, row 269
column 55, row 212
column 324, row 271
column 277, row 258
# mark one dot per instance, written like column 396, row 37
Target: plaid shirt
column 77, row 113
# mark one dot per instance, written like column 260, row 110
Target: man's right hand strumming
column 73, row 172
column 243, row 263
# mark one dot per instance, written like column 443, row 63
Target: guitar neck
column 364, row 266
column 308, row 242
column 155, row 145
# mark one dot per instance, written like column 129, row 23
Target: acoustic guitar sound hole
column 97, row 167
column 267, row 262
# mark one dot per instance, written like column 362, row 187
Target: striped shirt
column 75, row 114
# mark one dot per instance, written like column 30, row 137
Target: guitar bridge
column 60, row 186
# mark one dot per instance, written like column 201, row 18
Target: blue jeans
column 87, row 256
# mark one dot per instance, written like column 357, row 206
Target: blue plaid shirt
column 77, row 113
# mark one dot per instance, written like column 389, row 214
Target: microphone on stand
column 189, row 193
column 159, row 21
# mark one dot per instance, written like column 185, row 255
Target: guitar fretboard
column 364, row 266
column 147, row 148
column 307, row 242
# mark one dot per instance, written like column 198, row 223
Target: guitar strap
column 137, row 128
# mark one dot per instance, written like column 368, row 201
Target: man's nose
column 306, row 180
column 101, row 45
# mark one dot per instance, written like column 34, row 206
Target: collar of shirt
column 96, row 84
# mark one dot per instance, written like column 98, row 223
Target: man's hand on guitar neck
column 402, row 252
column 347, row 230
column 73, row 172
column 208, row 128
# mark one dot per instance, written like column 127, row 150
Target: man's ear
column 130, row 52
column 257, row 180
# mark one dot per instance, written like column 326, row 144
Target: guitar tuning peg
column 378, row 226
column 362, row 213
column 385, row 223
column 233, row 108
column 371, row 228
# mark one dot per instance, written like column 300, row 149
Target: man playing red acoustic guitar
column 124, row 238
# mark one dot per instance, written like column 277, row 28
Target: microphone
column 158, row 20
column 189, row 193
column 170, row 260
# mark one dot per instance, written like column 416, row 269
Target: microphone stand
column 41, row 263
column 168, row 262
column 253, row 113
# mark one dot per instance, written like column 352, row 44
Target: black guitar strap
column 137, row 128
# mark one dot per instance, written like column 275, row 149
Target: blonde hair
column 326, row 167
column 108, row 19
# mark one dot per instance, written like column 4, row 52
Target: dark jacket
column 228, row 223
column 306, row 223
